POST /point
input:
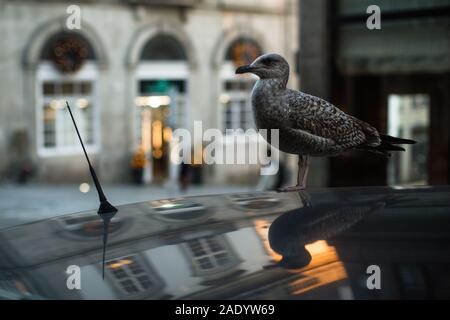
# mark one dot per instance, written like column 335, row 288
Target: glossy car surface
column 258, row 245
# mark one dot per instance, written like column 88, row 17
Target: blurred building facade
column 396, row 78
column 133, row 72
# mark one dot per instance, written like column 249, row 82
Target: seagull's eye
column 268, row 61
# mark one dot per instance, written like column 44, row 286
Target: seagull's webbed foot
column 303, row 163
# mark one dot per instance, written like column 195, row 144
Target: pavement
column 25, row 203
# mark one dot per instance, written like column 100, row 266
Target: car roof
column 239, row 245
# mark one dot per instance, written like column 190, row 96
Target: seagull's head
column 267, row 66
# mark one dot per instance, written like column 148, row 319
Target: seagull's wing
column 323, row 119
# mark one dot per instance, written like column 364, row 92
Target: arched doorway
column 161, row 102
column 66, row 71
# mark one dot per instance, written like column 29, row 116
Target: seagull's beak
column 245, row 69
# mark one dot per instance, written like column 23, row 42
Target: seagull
column 308, row 125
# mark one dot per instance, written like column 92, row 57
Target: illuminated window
column 408, row 117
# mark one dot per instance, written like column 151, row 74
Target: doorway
column 160, row 106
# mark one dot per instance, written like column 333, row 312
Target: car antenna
column 106, row 210
column 105, row 206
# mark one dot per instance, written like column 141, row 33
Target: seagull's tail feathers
column 394, row 140
column 388, row 143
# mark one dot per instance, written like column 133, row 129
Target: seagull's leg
column 303, row 169
column 303, row 164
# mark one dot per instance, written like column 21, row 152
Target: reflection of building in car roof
column 254, row 201
column 178, row 209
column 231, row 256
column 133, row 277
column 87, row 225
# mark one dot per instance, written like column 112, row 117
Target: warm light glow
column 57, row 104
column 157, row 153
column 317, row 277
column 119, row 264
column 224, row 98
column 152, row 101
column 167, row 134
column 157, row 140
column 318, row 247
column 262, row 228
column 84, row 187
column 82, row 103
column 146, row 132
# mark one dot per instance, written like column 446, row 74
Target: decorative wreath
column 244, row 52
column 69, row 53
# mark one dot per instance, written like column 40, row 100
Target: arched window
column 235, row 89
column 161, row 101
column 163, row 47
column 67, row 72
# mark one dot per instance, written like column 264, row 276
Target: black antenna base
column 106, row 207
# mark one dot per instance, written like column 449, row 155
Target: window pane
column 87, row 130
column 58, row 131
column 145, row 281
column 119, row 273
column 68, row 88
column 222, row 259
column 205, row 263
column 214, row 245
column 49, row 126
column 237, row 112
column 196, row 248
column 49, row 88
column 135, row 268
column 85, row 87
column 129, row 286
column 243, row 116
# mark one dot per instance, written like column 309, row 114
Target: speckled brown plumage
column 308, row 125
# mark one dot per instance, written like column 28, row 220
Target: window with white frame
column 133, row 276
column 57, row 128
column 235, row 97
column 236, row 104
column 56, row 84
column 210, row 254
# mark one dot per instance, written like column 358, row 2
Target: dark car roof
column 259, row 245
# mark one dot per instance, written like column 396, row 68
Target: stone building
column 133, row 72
